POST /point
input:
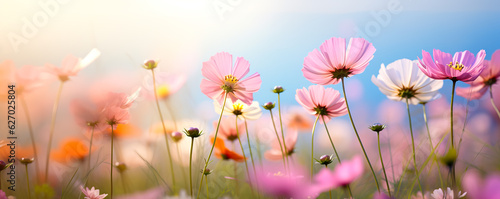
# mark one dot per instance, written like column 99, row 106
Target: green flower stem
column 312, row 147
column 111, row 161
column 279, row 140
column 383, row 167
column 243, row 152
column 251, row 155
column 453, row 176
column 492, row 102
column 213, row 144
column 282, row 134
column 357, row 135
column 432, row 145
column 206, row 182
column 28, row 180
column 329, row 191
column 190, row 166
column 51, row 132
column 331, row 141
column 164, row 131
column 182, row 168
column 90, row 152
column 413, row 147
column 30, row 129
column 259, row 150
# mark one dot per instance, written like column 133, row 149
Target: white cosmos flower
column 240, row 109
column 402, row 80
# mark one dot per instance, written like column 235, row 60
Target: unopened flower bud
column 207, row 172
column 120, row 166
column 325, row 159
column 193, row 132
column 150, row 64
column 26, row 160
column 3, row 165
column 278, row 89
column 269, row 106
column 377, row 127
column 176, row 136
column 450, row 157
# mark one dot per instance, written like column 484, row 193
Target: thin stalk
column 279, row 140
column 329, row 191
column 28, row 181
column 413, row 147
column 164, row 130
column 251, row 155
column 432, row 145
column 492, row 102
column 357, row 135
column 182, row 168
column 331, row 141
column 213, row 144
column 383, row 167
column 124, row 185
column 206, row 182
column 259, row 151
column 172, row 115
column 51, row 132
column 111, row 161
column 190, row 166
column 453, row 178
column 243, row 152
column 90, row 146
column 312, row 147
column 283, row 134
column 30, row 128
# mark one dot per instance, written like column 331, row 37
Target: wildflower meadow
column 241, row 99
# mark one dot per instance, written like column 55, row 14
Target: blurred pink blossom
column 275, row 152
column 227, row 129
column 488, row 77
column 71, row 65
column 478, row 188
column 318, row 100
column 343, row 174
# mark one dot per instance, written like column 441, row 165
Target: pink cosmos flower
column 72, row 65
column 343, row 174
column 87, row 115
column 28, row 78
column 227, row 129
column 477, row 188
column 274, row 182
column 166, row 84
column 275, row 152
column 334, row 62
column 463, row 66
column 115, row 107
column 487, row 78
column 92, row 193
column 318, row 100
column 222, row 77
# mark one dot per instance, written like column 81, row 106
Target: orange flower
column 21, row 152
column 124, row 130
column 70, row 150
column 224, row 153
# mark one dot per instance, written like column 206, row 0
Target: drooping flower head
column 333, row 61
column 227, row 129
column 71, row 65
column 463, row 66
column 318, row 100
column 224, row 153
column 221, row 77
column 92, row 193
column 240, row 109
column 489, row 77
column 402, row 79
column 275, row 152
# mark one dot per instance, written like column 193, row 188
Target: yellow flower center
column 237, row 109
column 456, row 66
column 163, row 91
column 229, row 83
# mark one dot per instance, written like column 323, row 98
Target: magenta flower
column 477, row 188
column 274, row 182
column 463, row 66
column 333, row 61
column 343, row 174
column 487, row 78
column 222, row 77
column 318, row 100
column 92, row 193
